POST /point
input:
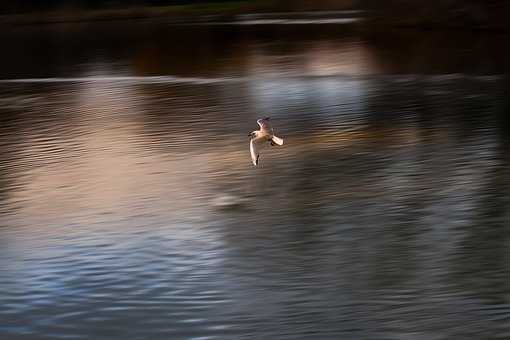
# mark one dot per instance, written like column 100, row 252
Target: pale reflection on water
column 383, row 216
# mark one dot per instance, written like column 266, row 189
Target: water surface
column 130, row 208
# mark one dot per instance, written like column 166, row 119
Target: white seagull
column 259, row 137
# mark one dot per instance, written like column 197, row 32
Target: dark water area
column 129, row 207
column 248, row 48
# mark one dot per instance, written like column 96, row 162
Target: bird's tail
column 277, row 140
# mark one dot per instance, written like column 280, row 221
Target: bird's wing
column 264, row 124
column 277, row 140
column 254, row 149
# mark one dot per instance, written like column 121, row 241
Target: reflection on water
column 383, row 216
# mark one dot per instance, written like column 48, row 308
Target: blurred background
column 129, row 207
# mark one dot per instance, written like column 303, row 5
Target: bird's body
column 261, row 137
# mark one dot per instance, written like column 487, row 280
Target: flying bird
column 260, row 137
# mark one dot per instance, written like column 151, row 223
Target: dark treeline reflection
column 456, row 14
column 384, row 215
column 142, row 48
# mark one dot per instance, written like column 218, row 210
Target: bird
column 260, row 137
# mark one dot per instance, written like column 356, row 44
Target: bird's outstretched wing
column 264, row 124
column 255, row 144
column 277, row 140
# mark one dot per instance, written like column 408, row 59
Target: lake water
column 129, row 207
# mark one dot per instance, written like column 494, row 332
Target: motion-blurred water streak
column 129, row 207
